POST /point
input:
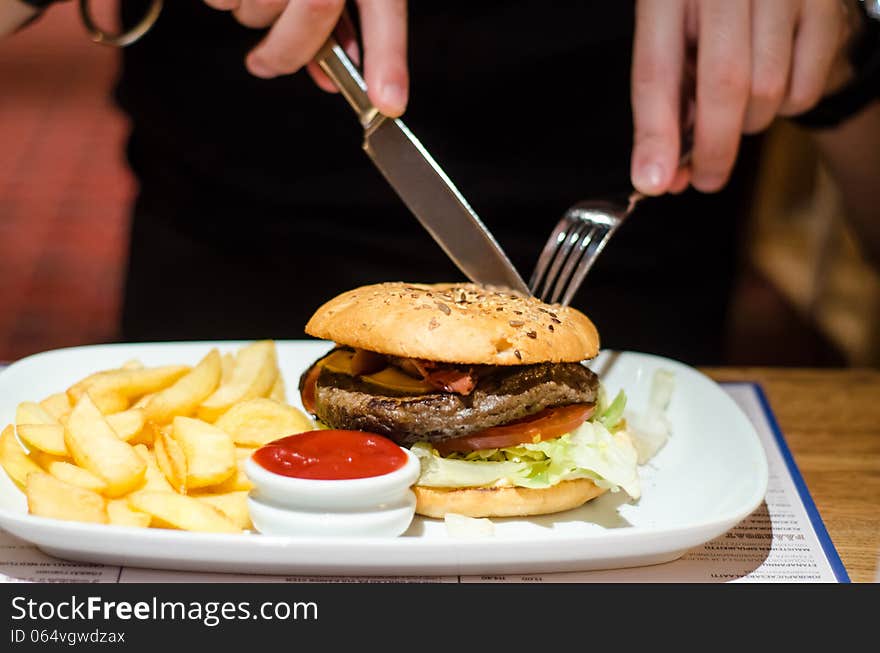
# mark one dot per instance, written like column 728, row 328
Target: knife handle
column 341, row 70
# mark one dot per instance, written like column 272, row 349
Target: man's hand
column 754, row 60
column 298, row 29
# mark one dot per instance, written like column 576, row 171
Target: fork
column 574, row 244
column 578, row 239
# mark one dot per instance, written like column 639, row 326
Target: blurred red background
column 64, row 188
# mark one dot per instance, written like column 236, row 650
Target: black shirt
column 257, row 204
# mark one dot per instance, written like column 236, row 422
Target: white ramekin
column 380, row 506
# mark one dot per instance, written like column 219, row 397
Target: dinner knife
column 420, row 181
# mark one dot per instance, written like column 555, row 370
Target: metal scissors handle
column 123, row 38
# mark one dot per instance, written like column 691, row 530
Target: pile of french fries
column 160, row 447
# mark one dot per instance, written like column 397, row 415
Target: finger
column 383, row 23
column 819, row 35
column 681, row 180
column 773, row 30
column 259, row 13
column 320, row 78
column 295, row 38
column 223, row 5
column 345, row 35
column 723, row 87
column 658, row 60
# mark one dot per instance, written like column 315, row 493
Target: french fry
column 210, row 454
column 254, row 374
column 171, row 510
column 50, row 437
column 232, row 504
column 13, row 458
column 185, row 395
column 127, row 424
column 134, row 383
column 57, row 405
column 66, row 471
column 255, row 422
column 94, row 445
column 161, row 447
column 45, row 437
column 278, row 391
column 49, row 497
column 143, row 401
column 120, row 513
column 78, row 389
column 145, row 436
column 75, row 391
column 110, row 403
column 154, row 479
column 70, row 473
column 239, row 481
column 115, row 390
column 227, row 363
column 44, row 459
column 170, row 459
column 30, row 412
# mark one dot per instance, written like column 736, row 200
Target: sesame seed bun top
column 455, row 323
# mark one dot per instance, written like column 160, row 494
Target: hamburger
column 486, row 386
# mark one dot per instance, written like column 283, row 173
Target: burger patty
column 502, row 395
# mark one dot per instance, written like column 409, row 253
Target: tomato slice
column 548, row 424
column 307, row 390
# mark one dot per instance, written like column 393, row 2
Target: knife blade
column 420, row 182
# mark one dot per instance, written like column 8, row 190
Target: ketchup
column 331, row 455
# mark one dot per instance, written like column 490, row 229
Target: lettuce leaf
column 611, row 414
column 590, row 451
column 649, row 430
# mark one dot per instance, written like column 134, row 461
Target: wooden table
column 831, row 422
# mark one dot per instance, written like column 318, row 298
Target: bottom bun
column 504, row 501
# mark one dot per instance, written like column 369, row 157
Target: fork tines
column 570, row 252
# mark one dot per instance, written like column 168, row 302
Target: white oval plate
column 711, row 474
